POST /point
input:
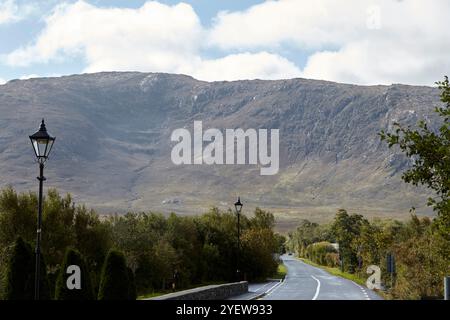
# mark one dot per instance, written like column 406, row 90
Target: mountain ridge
column 113, row 142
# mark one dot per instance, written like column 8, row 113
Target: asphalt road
column 256, row 290
column 305, row 282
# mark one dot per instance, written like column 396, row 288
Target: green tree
column 93, row 240
column 322, row 253
column 430, row 151
column 132, row 295
column 183, row 237
column 346, row 229
column 17, row 216
column 21, row 274
column 166, row 260
column 257, row 258
column 304, row 235
column 218, row 232
column 114, row 280
column 62, row 292
column 422, row 260
column 44, row 283
column 57, row 226
column 19, row 283
column 262, row 219
column 281, row 243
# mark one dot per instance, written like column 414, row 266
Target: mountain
column 113, row 143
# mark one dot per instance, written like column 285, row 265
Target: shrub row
column 117, row 280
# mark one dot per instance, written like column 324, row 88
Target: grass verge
column 346, row 275
column 337, row 272
column 281, row 272
column 152, row 295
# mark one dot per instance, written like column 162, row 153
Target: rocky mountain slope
column 113, row 142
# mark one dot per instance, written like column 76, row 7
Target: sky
column 350, row 41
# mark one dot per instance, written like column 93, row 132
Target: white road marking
column 366, row 295
column 273, row 288
column 317, row 289
column 262, row 287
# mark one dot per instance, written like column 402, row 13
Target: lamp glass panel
column 36, row 148
column 40, row 147
column 49, row 147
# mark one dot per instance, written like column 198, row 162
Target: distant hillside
column 113, row 142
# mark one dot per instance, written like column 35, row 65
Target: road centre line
column 317, row 289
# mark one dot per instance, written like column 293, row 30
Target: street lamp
column 42, row 145
column 238, row 207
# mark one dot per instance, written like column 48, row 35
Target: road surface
column 305, row 282
column 256, row 290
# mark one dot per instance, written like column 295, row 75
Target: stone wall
column 213, row 292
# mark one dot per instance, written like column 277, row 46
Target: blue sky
column 13, row 35
column 353, row 41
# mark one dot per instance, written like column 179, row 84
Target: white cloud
column 261, row 65
column 2, row 81
column 11, row 12
column 8, row 11
column 385, row 41
column 29, row 76
column 302, row 23
column 382, row 42
column 155, row 37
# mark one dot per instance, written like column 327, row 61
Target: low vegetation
column 62, row 292
column 162, row 253
column 338, row 272
column 281, row 272
column 420, row 247
column 420, row 251
column 158, row 253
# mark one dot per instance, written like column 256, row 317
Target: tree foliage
column 197, row 249
column 422, row 255
column 62, row 292
column 19, row 283
column 20, row 277
column 114, row 284
column 430, row 151
column 345, row 229
column 132, row 293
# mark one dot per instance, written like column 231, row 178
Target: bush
column 257, row 255
column 21, row 274
column 73, row 257
column 19, row 281
column 322, row 253
column 199, row 249
column 44, row 285
column 114, row 280
column 332, row 259
column 132, row 295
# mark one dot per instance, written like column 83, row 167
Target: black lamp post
column 238, row 207
column 42, row 145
